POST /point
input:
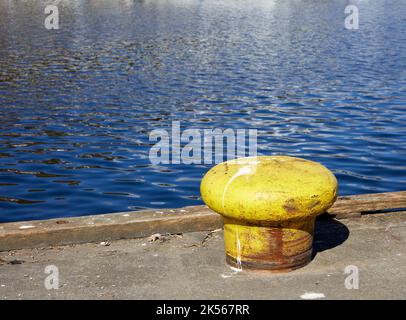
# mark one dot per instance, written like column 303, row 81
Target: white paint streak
column 312, row 295
column 27, row 227
column 242, row 171
column 239, row 266
column 229, row 275
column 235, row 270
column 249, row 168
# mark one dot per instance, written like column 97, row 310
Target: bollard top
column 271, row 189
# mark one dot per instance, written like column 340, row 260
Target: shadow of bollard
column 329, row 233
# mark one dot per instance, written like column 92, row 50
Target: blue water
column 77, row 104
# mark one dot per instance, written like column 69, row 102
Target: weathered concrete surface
column 113, row 226
column 136, row 224
column 192, row 266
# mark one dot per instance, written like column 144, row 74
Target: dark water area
column 77, row 104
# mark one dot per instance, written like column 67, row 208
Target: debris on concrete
column 16, row 261
column 154, row 237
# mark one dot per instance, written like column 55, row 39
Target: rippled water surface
column 77, row 104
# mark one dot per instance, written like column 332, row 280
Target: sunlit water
column 78, row 103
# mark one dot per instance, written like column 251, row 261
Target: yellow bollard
column 269, row 205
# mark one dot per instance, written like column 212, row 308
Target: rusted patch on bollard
column 290, row 206
column 270, row 248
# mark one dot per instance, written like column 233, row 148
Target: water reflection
column 77, row 103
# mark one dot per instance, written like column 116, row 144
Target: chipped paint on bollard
column 269, row 206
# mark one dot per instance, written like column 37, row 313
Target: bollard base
column 274, row 249
column 296, row 263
